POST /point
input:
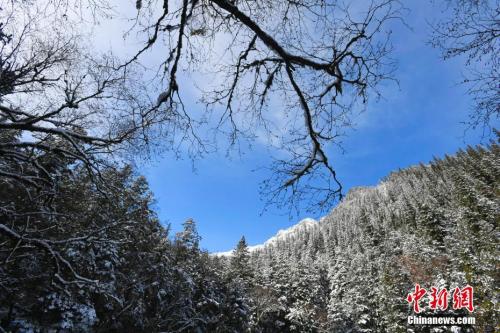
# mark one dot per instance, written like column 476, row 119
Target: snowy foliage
column 434, row 224
column 105, row 264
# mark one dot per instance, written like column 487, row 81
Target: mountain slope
column 435, row 225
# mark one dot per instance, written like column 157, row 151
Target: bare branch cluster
column 64, row 111
column 473, row 31
column 293, row 72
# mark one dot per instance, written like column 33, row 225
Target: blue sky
column 414, row 122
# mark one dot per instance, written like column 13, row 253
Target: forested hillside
column 92, row 89
column 107, row 265
column 436, row 225
column 78, row 260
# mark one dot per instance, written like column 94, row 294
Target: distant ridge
column 281, row 235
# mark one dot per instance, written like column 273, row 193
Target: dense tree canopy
column 430, row 224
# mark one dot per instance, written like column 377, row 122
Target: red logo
column 439, row 299
column 462, row 298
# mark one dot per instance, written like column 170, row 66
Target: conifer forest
column 94, row 91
